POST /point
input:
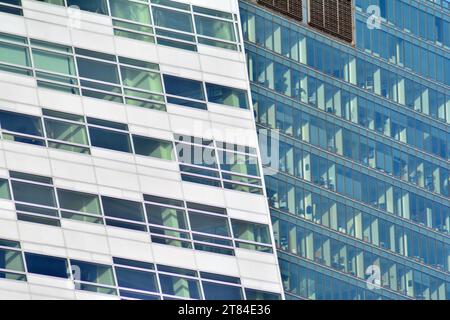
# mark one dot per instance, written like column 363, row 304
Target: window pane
column 228, row 96
column 10, row 53
column 46, row 265
column 97, row 70
column 78, row 201
column 261, row 295
column 130, row 11
column 32, row 193
column 53, row 62
column 153, row 147
column 167, row 217
column 141, row 79
column 58, row 2
column 209, row 224
column 172, row 19
column 123, row 209
column 11, row 260
column 92, row 272
column 184, row 87
column 21, row 123
column 135, row 279
column 239, row 163
column 181, row 287
column 251, row 231
column 214, row 291
column 97, row 6
column 4, row 189
column 65, row 131
column 110, row 139
column 214, row 28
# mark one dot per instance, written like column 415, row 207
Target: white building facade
column 104, row 108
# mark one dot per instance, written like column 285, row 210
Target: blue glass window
column 97, row 6
column 178, row 286
column 92, row 272
column 97, row 70
column 46, row 265
column 136, row 279
column 33, row 193
column 184, row 87
column 109, row 139
column 172, row 19
column 21, row 123
column 261, row 295
column 227, row 96
column 122, row 209
column 215, row 291
column 209, row 224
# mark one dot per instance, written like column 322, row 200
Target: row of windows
column 302, row 280
column 75, row 133
column 339, row 64
column 351, row 260
column 376, row 193
column 126, row 278
column 203, row 162
column 443, row 4
column 346, row 105
column 352, row 145
column 360, row 224
column 164, row 22
column 170, row 222
column 108, row 77
column 369, row 228
column 406, row 17
column 402, row 52
column 354, row 260
column 207, row 162
column 297, row 199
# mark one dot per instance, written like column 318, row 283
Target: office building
column 359, row 93
column 129, row 159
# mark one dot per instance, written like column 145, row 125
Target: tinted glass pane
column 153, row 147
column 65, row 131
column 214, row 28
column 58, row 2
column 110, row 139
column 172, row 19
column 11, row 260
column 181, row 287
column 167, row 217
column 135, row 279
column 21, row 123
column 78, row 201
column 124, row 209
column 130, row 11
column 10, row 53
column 92, row 272
column 32, row 193
column 97, row 6
column 239, row 163
column 251, row 231
column 228, row 96
column 140, row 79
column 97, row 70
column 214, row 291
column 184, row 87
column 209, row 224
column 4, row 189
column 46, row 265
column 261, row 295
column 53, row 62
